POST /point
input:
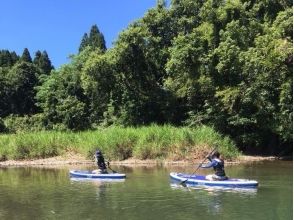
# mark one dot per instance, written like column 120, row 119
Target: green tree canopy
column 223, row 63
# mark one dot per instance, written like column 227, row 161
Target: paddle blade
column 183, row 183
column 113, row 171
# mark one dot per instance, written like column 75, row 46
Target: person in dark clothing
column 100, row 162
column 218, row 165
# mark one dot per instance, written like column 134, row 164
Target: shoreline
column 81, row 160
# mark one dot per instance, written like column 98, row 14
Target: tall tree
column 43, row 62
column 4, row 93
column 84, row 42
column 95, row 40
column 7, row 59
column 98, row 81
column 23, row 78
column 62, row 100
column 26, row 56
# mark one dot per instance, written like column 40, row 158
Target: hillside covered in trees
column 226, row 64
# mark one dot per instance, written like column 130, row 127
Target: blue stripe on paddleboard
column 201, row 181
column 90, row 175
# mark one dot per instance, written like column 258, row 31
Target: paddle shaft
column 198, row 166
column 110, row 167
column 112, row 170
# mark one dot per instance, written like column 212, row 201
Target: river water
column 146, row 193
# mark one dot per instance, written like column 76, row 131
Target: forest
column 226, row 64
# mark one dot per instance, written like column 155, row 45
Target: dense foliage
column 226, row 64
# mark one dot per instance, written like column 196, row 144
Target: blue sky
column 57, row 26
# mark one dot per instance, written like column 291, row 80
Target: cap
column 215, row 154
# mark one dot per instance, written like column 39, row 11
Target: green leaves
column 23, row 77
column 98, row 81
column 62, row 100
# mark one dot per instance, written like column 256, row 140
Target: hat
column 215, row 154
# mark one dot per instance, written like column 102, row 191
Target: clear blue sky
column 57, row 26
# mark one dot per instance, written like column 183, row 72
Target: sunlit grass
column 117, row 143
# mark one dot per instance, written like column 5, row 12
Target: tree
column 26, row 57
column 61, row 99
column 94, row 40
column 4, row 94
column 97, row 80
column 84, row 42
column 7, row 59
column 43, row 62
column 23, row 77
column 141, row 99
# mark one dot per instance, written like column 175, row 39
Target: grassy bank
column 151, row 142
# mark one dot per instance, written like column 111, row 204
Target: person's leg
column 104, row 171
column 96, row 171
column 215, row 177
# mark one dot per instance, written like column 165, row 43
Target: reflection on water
column 212, row 197
column 215, row 189
column 146, row 194
column 100, row 185
column 96, row 180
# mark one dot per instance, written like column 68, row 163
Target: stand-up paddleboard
column 90, row 175
column 198, row 180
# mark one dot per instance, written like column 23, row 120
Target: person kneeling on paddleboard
column 100, row 162
column 218, row 166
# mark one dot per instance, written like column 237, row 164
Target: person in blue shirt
column 218, row 165
column 100, row 162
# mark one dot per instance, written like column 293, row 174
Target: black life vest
column 219, row 168
column 100, row 162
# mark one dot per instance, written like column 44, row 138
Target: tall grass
column 117, row 143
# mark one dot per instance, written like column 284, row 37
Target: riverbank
column 77, row 159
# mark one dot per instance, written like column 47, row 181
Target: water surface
column 147, row 193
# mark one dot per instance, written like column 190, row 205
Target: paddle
column 110, row 167
column 183, row 183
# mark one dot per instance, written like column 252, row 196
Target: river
column 146, row 193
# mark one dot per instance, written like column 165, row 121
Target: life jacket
column 219, row 168
column 100, row 162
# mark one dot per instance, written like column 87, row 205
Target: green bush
column 16, row 124
column 2, row 126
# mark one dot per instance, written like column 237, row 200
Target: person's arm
column 106, row 162
column 209, row 165
column 209, row 158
